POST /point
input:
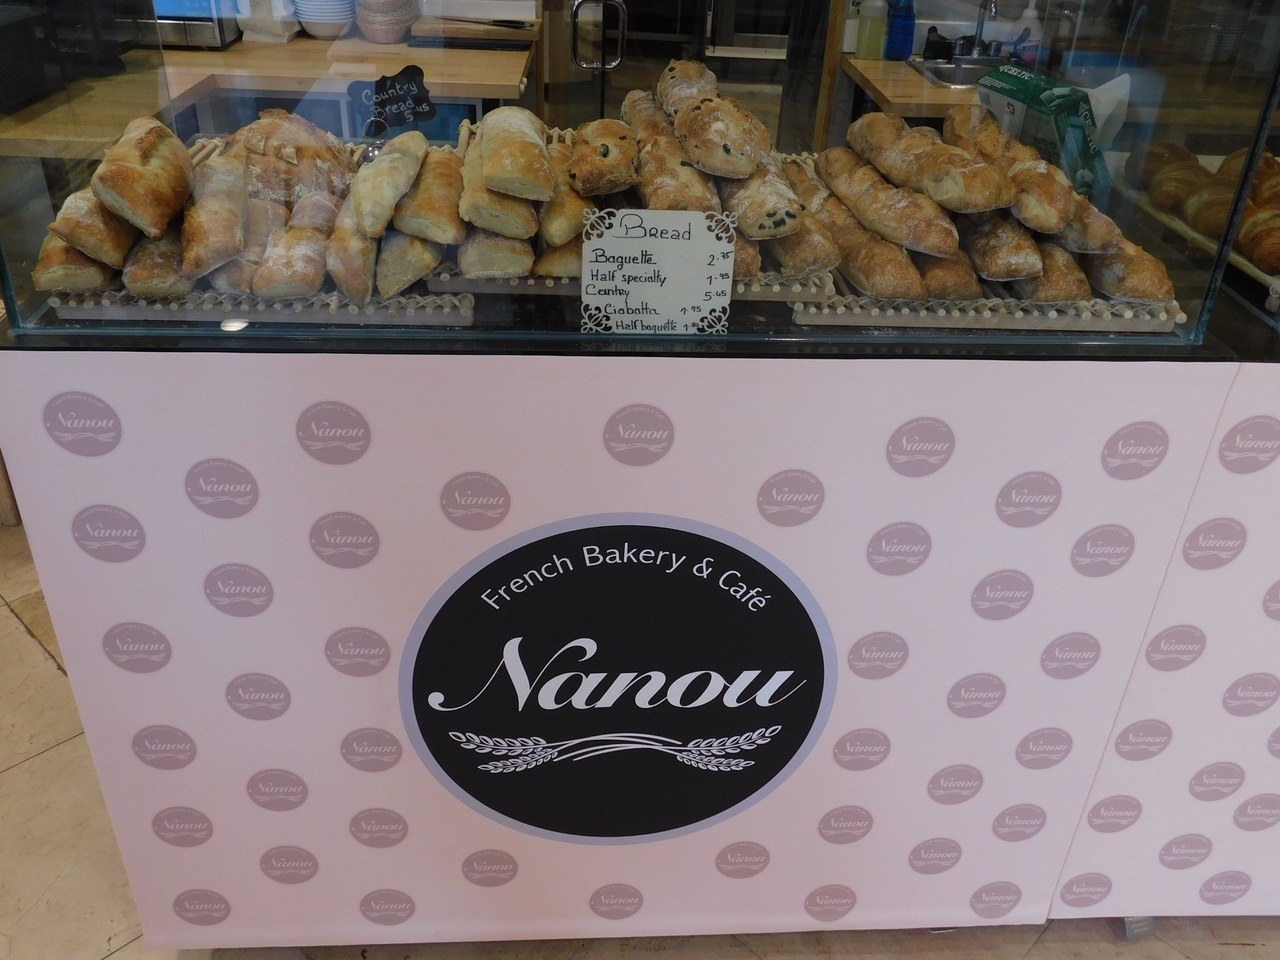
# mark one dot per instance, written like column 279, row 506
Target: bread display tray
column 1207, row 244
column 1003, row 311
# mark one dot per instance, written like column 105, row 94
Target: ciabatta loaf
column 145, row 177
column 514, row 150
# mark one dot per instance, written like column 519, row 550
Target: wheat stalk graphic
column 524, row 753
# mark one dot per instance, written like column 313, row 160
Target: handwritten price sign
column 656, row 272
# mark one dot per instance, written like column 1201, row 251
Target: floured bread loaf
column 154, row 269
column 294, row 263
column 94, row 230
column 430, row 208
column 145, row 177
column 514, row 150
column 491, row 210
column 61, row 266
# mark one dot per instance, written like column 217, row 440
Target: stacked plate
column 327, row 19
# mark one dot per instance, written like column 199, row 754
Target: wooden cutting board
column 473, row 29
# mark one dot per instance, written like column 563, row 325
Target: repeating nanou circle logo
column 678, row 663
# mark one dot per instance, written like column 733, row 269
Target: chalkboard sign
column 394, row 101
column 656, row 271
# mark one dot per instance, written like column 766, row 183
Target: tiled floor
column 63, row 894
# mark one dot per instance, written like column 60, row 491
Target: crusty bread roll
column 1174, row 182
column 61, row 266
column 670, row 181
column 873, row 132
column 918, row 159
column 897, row 214
column 604, row 158
column 94, row 230
column 1146, row 159
column 403, row 261
column 807, row 251
column 1061, row 282
column 948, row 278
column 213, row 227
column 351, row 256
column 681, row 82
column 488, row 209
column 562, row 261
column 294, row 263
column 1045, row 199
column 378, row 186
column 722, row 137
column 1129, row 273
column 764, row 203
column 514, row 150
column 262, row 219
column 1089, row 230
column 491, row 256
column 640, row 111
column 154, row 269
column 999, row 246
column 430, row 209
column 145, row 177
column 873, row 265
column 746, row 257
column 560, row 218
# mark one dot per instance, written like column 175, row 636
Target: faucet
column 986, row 8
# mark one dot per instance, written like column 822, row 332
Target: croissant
column 1143, row 165
column 1176, row 181
column 1209, row 208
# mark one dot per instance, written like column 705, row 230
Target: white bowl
column 327, row 29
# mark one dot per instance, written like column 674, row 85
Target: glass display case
column 380, row 169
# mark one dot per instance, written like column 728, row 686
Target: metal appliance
column 204, row 24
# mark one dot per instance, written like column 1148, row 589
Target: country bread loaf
column 514, row 150
column 430, row 209
column 94, row 230
column 145, row 177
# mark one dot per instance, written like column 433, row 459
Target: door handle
column 619, row 50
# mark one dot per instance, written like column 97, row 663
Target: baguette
column 514, row 151
column 764, row 203
column 999, row 246
column 1089, row 230
column 430, row 209
column 378, row 186
column 351, row 256
column 61, row 266
column 491, row 256
column 604, row 158
column 1045, row 199
column 155, row 269
column 873, row 265
column 1061, row 282
column 94, row 230
column 295, row 260
column 562, row 261
column 1129, row 273
column 807, row 251
column 948, row 278
column 404, row 261
column 262, row 219
column 489, row 210
column 898, row 215
column 953, row 178
column 640, row 111
column 213, row 228
column 746, row 257
column 146, row 177
column 872, row 132
column 560, row 218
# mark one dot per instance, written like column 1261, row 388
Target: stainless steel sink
column 944, row 73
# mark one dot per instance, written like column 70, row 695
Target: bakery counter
column 895, row 88
column 80, row 121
